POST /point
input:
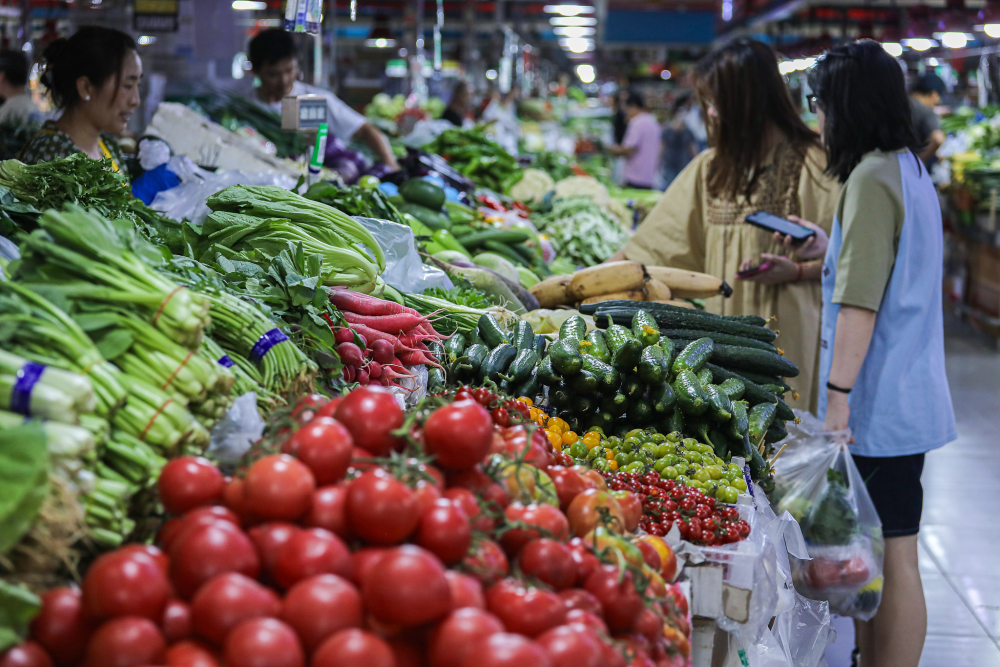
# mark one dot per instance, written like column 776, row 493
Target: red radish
column 350, row 373
column 362, row 377
column 417, row 358
column 382, row 351
column 387, row 323
column 355, row 302
column 344, row 335
column 350, row 354
column 384, row 380
column 374, row 369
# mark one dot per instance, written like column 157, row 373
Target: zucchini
column 762, row 379
column 753, row 360
column 775, row 433
column 497, row 361
column 597, row 347
column 640, row 411
column 505, row 251
column 670, row 349
column 625, row 349
column 673, row 317
column 721, row 408
column 719, row 337
column 753, row 392
column 490, row 331
column 694, row 356
column 633, row 387
column 546, row 374
column 690, row 395
column 615, row 405
column 733, row 387
column 704, row 376
column 740, row 422
column 522, row 365
column 609, row 380
column 645, row 329
column 584, row 382
column 529, row 387
column 584, row 405
column 540, row 343
column 676, row 422
column 454, row 346
column 663, row 398
column 573, row 327
column 566, row 357
column 475, row 355
column 435, row 380
column 524, row 337
column 653, row 367
column 760, row 416
column 560, row 395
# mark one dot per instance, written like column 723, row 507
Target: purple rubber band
column 20, row 394
column 265, row 343
column 224, row 360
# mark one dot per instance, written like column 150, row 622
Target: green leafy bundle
column 355, row 200
column 77, row 178
column 478, row 158
column 581, row 231
column 833, row 520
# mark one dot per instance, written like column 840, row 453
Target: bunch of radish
column 394, row 337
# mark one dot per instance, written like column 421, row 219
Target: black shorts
column 894, row 485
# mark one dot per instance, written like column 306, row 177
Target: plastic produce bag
column 187, row 200
column 238, row 430
column 403, row 268
column 819, row 484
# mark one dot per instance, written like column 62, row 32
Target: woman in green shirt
column 93, row 77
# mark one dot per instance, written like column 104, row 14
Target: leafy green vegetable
column 18, row 606
column 355, row 200
column 77, row 178
column 462, row 294
column 833, row 520
column 581, row 231
column 24, row 470
column 479, row 159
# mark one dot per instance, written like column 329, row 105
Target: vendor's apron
column 900, row 403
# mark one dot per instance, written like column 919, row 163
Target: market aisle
column 960, row 533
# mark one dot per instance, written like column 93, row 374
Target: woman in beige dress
column 763, row 158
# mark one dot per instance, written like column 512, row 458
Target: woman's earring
column 87, row 98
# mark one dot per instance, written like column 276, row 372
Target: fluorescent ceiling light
column 568, row 10
column 665, row 74
column 953, row 40
column 573, row 20
column 797, row 65
column 491, row 74
column 577, row 44
column 992, row 30
column 894, row 49
column 574, row 32
column 145, row 40
column 249, row 5
column 920, row 43
column 586, row 73
column 380, row 43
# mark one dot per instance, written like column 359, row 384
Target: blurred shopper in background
column 679, row 143
column 925, row 94
column 640, row 146
column 18, row 107
column 458, row 105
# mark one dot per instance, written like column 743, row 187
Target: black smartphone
column 773, row 223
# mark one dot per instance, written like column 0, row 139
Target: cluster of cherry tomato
column 700, row 519
column 504, row 411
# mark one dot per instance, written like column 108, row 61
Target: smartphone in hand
column 773, row 223
column 753, row 270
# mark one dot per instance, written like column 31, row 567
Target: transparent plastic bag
column 403, row 268
column 187, row 200
column 818, row 483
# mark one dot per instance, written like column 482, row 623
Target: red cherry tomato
column 205, row 551
column 189, row 482
column 227, row 600
column 407, row 587
column 190, row 654
column 649, row 625
column 572, row 646
column 235, row 501
column 584, row 515
column 427, row 494
column 371, row 414
column 549, row 561
column 617, row 594
column 467, row 501
column 363, row 561
column 124, row 583
column 487, row 562
column 176, row 622
column 587, row 618
column 548, row 520
column 62, row 627
column 325, row 446
column 528, row 610
column 28, row 654
column 631, row 508
column 354, row 648
column 310, row 552
column 329, row 407
column 200, row 516
column 268, row 538
column 329, row 510
column 577, row 598
column 445, row 532
column 453, row 637
column 381, row 509
column 321, row 606
column 506, row 650
column 584, row 558
column 465, row 591
column 568, row 483
column 278, row 487
column 458, row 435
column 126, row 641
column 263, row 642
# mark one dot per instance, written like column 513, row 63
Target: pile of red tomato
column 370, row 540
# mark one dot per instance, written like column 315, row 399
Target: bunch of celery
column 43, row 391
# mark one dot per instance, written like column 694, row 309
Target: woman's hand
column 783, row 270
column 838, row 411
column 813, row 247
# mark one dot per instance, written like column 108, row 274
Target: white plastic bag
column 818, row 483
column 403, row 268
column 235, row 433
column 187, row 200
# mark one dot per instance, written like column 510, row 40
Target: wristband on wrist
column 833, row 387
column 798, row 276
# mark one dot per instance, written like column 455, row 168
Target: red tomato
column 615, row 589
column 549, row 561
column 200, row 516
column 371, row 414
column 427, row 493
column 329, row 510
column 568, row 483
column 481, row 484
column 268, row 538
column 444, row 531
column 551, row 522
column 278, row 487
column 263, row 642
column 631, row 508
column 176, row 622
column 648, row 624
column 668, row 560
column 205, row 551
column 536, row 453
column 525, row 610
column 354, row 648
column 855, row 572
column 227, row 600
column 587, row 618
column 452, row 638
column 572, row 646
column 325, row 446
column 381, row 509
column 506, row 650
column 328, row 408
column 591, row 477
column 459, row 435
column 407, row 587
column 28, row 654
column 583, row 556
column 189, row 482
column 320, row 606
column 823, row 574
column 234, row 500
column 62, row 627
column 306, row 407
column 649, row 554
column 125, row 584
column 584, row 516
column 487, row 562
column 680, row 601
column 611, row 657
column 465, row 591
column 577, row 598
column 190, row 654
column 155, row 553
column 467, row 501
column 126, row 641
column 310, row 552
column 363, row 561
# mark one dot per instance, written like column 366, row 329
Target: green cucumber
column 500, row 235
column 437, row 351
column 490, row 331
column 584, row 382
column 529, row 387
column 645, row 329
column 497, row 361
column 524, row 336
column 560, row 395
column 608, row 378
column 676, row 422
column 694, row 356
column 762, row 379
column 653, row 367
column 584, row 405
column 546, row 374
column 760, row 416
column 474, row 337
column 640, row 411
column 721, row 408
column 704, row 376
column 604, row 420
column 663, row 397
column 674, row 317
column 522, row 365
column 775, row 389
column 540, row 343
column 422, row 192
column 755, row 361
column 573, row 421
column 740, row 422
column 753, row 392
column 566, row 357
column 670, row 349
column 625, row 349
column 719, row 442
column 504, row 251
column 719, row 338
column 733, row 387
column 597, row 347
column 435, row 380
column 615, row 405
column 573, row 327
column 690, row 395
column 632, row 387
column 432, row 219
column 775, row 433
column 475, row 355
column 454, row 346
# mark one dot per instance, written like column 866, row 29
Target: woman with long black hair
column 882, row 359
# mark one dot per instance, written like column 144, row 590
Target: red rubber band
column 165, row 302
column 174, row 374
column 158, row 412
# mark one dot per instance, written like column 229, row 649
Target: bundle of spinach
column 74, row 179
column 833, row 520
column 355, row 200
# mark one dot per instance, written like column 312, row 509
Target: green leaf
column 24, row 465
column 114, row 343
column 18, row 606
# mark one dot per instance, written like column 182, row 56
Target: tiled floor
column 960, row 532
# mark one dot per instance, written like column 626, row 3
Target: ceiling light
column 665, row 74
column 954, row 40
column 491, row 74
column 249, row 5
column 574, row 32
column 586, row 73
column 145, row 40
column 920, row 43
column 568, row 10
column 380, row 42
column 992, row 30
column 894, row 49
column 573, row 20
column 578, row 44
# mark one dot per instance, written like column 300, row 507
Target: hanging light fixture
column 381, row 36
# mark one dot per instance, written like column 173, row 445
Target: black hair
column 271, row 46
column 14, row 65
column 94, row 52
column 862, row 93
column 634, row 99
column 928, row 83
